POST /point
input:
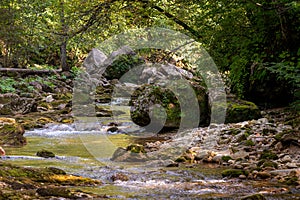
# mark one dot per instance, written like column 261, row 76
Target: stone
column 94, row 61
column 133, row 153
column 54, row 191
column 11, row 132
column 45, row 154
column 12, row 104
column 291, row 165
column 120, row 177
column 254, row 197
column 112, row 129
column 160, row 107
column 263, row 175
column 234, row 173
column 242, row 176
column 49, row 99
column 240, row 110
column 286, row 159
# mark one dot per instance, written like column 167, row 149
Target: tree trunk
column 63, row 56
column 64, row 39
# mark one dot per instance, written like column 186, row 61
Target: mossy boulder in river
column 240, row 110
column 45, row 154
column 11, row 133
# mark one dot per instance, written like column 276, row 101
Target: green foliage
column 7, row 85
column 226, row 158
column 254, row 41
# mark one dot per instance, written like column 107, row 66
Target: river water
column 144, row 181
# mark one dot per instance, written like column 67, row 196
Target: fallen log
column 25, row 72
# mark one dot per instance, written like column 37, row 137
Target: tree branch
column 179, row 22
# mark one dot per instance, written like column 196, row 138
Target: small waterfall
column 54, row 130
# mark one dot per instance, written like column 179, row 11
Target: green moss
column 240, row 110
column 268, row 155
column 291, row 181
column 136, row 148
column 45, row 154
column 226, row 158
column 234, row 173
column 270, row 164
column 279, row 136
column 249, row 143
column 266, row 131
column 234, row 131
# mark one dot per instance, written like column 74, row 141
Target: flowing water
column 144, row 181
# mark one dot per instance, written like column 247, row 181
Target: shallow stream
column 144, row 181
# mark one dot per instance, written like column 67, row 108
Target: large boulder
column 164, row 96
column 240, row 110
column 11, row 133
column 11, row 104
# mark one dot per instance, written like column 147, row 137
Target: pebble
column 291, row 165
column 242, row 176
column 286, row 159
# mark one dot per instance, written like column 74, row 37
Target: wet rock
column 180, row 159
column 254, row 197
column 11, row 132
column 120, row 177
column 112, row 129
column 45, row 154
column 173, row 164
column 136, row 148
column 133, row 153
column 54, row 191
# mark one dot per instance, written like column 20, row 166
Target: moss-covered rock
column 172, row 106
column 11, row 132
column 241, row 110
column 133, row 153
column 226, row 158
column 234, row 173
column 136, row 148
column 35, row 183
column 45, row 154
column 54, row 191
column 266, row 154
